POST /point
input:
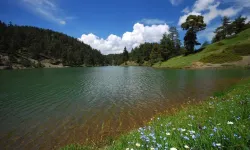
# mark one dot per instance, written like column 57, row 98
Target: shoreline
column 229, row 99
column 184, row 68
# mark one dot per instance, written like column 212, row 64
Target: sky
column 111, row 25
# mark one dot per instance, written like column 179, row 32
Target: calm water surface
column 49, row 108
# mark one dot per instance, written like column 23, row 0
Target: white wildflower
column 168, row 133
column 173, row 148
column 187, row 147
column 230, row 122
column 138, row 144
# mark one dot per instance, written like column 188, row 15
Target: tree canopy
column 193, row 25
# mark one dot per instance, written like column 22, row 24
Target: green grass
column 238, row 45
column 221, row 122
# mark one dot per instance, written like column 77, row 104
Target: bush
column 242, row 49
column 25, row 63
column 220, row 44
column 223, row 57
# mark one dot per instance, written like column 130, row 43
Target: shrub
column 220, row 44
column 221, row 58
column 242, row 49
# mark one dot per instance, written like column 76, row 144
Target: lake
column 50, row 108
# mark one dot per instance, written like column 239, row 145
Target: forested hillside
column 22, row 44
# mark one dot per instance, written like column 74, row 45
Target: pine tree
column 125, row 55
column 193, row 25
column 155, row 55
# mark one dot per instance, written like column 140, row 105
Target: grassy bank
column 225, row 51
column 221, row 122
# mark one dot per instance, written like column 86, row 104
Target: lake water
column 49, row 108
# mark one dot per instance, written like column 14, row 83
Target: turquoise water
column 49, row 108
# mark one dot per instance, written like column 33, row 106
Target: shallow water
column 49, row 108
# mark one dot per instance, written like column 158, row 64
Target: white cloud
column 215, row 12
column 208, row 34
column 175, row 2
column 115, row 44
column 186, row 10
column 248, row 18
column 201, row 5
column 47, row 9
column 152, row 21
column 209, row 9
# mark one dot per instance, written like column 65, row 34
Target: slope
column 222, row 53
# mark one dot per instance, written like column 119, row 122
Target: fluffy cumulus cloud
column 115, row 44
column 210, row 10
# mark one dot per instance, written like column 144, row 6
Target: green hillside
column 228, row 50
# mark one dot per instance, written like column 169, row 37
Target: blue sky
column 109, row 25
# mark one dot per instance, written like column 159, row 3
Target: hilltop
column 32, row 47
column 233, row 51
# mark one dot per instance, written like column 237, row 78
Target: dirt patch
column 245, row 62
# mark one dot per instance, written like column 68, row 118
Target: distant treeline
column 150, row 53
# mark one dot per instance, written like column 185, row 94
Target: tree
column 174, row 36
column 239, row 24
column 125, row 55
column 229, row 28
column 193, row 25
column 226, row 29
column 167, row 46
column 155, row 55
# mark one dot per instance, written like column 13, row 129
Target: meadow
column 224, row 51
